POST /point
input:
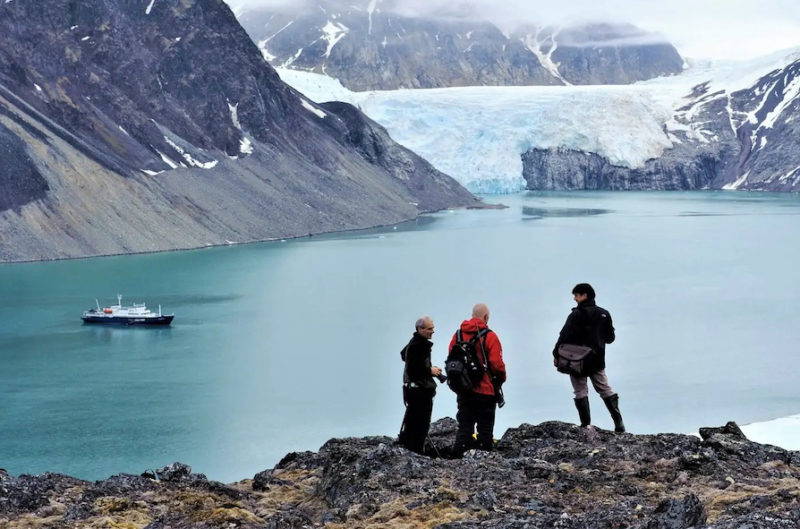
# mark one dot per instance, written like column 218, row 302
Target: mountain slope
column 368, row 46
column 146, row 126
column 722, row 138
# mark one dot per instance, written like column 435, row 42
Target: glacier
column 477, row 134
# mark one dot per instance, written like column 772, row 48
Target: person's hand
column 436, row 371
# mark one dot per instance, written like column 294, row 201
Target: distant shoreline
column 257, row 241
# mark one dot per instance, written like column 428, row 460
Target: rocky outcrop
column 429, row 186
column 548, row 475
column 135, row 127
column 748, row 139
column 369, row 45
column 551, row 169
column 20, row 179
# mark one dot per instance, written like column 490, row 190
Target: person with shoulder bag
column 581, row 350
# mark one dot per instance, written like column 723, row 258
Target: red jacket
column 494, row 350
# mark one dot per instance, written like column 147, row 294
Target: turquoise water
column 278, row 347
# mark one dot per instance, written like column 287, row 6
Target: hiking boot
column 612, row 403
column 583, row 411
column 486, row 445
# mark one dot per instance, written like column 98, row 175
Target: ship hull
column 128, row 320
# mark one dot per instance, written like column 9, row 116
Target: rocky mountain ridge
column 145, row 126
column 548, row 475
column 369, row 46
column 745, row 139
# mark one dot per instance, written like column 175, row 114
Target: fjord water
column 277, row 347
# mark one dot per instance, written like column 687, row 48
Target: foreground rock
column 550, row 475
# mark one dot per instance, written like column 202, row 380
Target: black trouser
column 475, row 409
column 417, row 420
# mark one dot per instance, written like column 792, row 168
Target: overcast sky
column 726, row 29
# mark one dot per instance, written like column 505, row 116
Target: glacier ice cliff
column 720, row 125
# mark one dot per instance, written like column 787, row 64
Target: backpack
column 464, row 367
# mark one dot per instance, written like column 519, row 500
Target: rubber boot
column 583, row 411
column 612, row 403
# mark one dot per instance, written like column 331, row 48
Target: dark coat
column 417, row 355
column 591, row 326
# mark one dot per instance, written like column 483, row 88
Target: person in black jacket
column 419, row 387
column 591, row 326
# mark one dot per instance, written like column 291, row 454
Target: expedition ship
column 136, row 314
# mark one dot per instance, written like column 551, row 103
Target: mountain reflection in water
column 533, row 213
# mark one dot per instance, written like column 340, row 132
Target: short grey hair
column 421, row 322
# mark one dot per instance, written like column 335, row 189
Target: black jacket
column 417, row 355
column 591, row 326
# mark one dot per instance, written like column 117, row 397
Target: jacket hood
column 469, row 325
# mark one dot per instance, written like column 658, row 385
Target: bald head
column 481, row 311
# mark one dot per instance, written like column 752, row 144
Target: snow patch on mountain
column 333, row 32
column 234, row 109
column 371, row 9
column 535, row 45
column 790, row 93
column 311, row 108
column 191, row 160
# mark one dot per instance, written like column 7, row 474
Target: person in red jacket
column 478, row 406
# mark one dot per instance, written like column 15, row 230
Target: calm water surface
column 278, row 347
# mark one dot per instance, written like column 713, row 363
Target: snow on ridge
column 235, row 115
column 149, row 7
column 731, row 75
column 533, row 43
column 794, row 172
column 790, row 93
column 333, row 33
column 735, row 185
column 316, row 87
column 245, row 146
column 752, row 117
column 188, row 157
column 262, row 44
column 293, row 58
column 311, row 108
column 169, row 161
column 370, row 10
